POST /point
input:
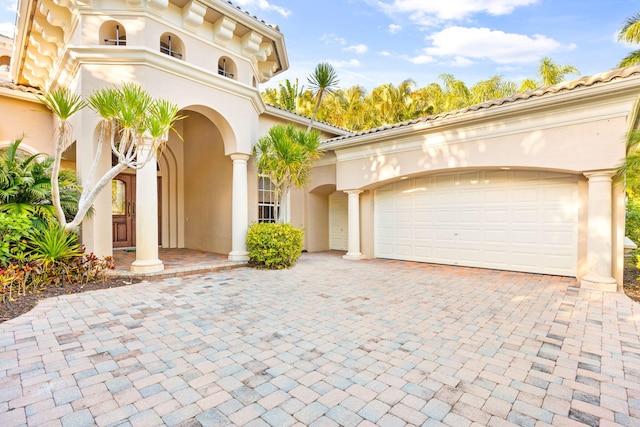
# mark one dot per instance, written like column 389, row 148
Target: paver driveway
column 329, row 342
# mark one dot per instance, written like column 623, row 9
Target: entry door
column 123, row 210
column 123, row 205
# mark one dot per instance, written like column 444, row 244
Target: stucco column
column 146, row 213
column 239, row 209
column 353, row 244
column 599, row 233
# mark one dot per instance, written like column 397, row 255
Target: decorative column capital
column 602, row 176
column 240, row 157
column 353, row 192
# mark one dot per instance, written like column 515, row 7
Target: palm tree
column 285, row 155
column 25, row 185
column 630, row 33
column 323, row 80
column 551, row 73
column 130, row 119
column 494, row 88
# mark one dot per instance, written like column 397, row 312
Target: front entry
column 123, row 205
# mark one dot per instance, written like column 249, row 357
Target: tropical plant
column 630, row 33
column 15, row 235
column 285, row 97
column 551, row 73
column 25, row 185
column 54, row 245
column 323, row 80
column 285, row 155
column 134, row 124
column 273, row 245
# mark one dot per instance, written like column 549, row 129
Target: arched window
column 227, row 68
column 5, row 62
column 171, row 45
column 113, row 33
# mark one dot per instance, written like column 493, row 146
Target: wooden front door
column 123, row 206
column 123, row 210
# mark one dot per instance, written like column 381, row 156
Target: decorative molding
column 223, row 29
column 193, row 14
column 251, row 43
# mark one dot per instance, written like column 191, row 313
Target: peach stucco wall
column 28, row 118
column 207, row 187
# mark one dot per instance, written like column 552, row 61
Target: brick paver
column 328, row 342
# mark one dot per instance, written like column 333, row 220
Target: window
column 5, row 62
column 266, row 200
column 227, row 68
column 113, row 34
column 172, row 46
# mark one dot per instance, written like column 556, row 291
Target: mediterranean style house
column 524, row 183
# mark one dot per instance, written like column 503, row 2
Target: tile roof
column 21, row 88
column 605, row 77
column 275, row 27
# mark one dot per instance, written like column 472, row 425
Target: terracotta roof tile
column 21, row 88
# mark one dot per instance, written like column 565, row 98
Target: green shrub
column 632, row 220
column 15, row 234
column 273, row 245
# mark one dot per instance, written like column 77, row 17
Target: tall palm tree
column 494, row 88
column 630, row 33
column 323, row 80
column 551, row 73
column 285, row 155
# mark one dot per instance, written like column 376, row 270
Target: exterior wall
column 25, row 115
column 207, row 190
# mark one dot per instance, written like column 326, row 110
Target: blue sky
column 371, row 42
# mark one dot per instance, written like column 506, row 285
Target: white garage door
column 507, row 220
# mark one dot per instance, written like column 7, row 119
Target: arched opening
column 227, row 68
column 171, row 45
column 5, row 62
column 112, row 33
column 207, row 174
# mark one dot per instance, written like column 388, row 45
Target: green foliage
column 273, row 245
column 34, row 259
column 53, row 245
column 632, row 220
column 635, row 257
column 15, row 233
column 25, row 185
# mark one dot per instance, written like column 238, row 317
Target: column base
column 353, row 256
column 239, row 256
column 604, row 284
column 147, row 266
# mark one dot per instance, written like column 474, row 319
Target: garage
column 507, row 220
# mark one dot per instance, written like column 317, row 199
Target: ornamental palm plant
column 285, row 155
column 25, row 185
column 130, row 119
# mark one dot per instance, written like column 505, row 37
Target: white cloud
column 7, row 29
column 332, row 38
column 354, row 63
column 484, row 43
column 394, row 28
column 431, row 12
column 262, row 5
column 420, row 59
column 384, row 53
column 357, row 48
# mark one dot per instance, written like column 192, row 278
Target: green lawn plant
column 274, row 245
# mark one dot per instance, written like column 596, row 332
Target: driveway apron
column 328, row 342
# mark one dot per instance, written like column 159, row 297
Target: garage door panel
column 513, row 220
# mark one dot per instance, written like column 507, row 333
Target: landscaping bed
column 23, row 304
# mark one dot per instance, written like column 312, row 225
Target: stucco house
column 523, row 183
